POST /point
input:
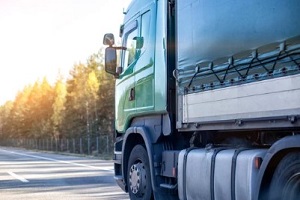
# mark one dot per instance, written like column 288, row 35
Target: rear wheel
column 285, row 183
column 138, row 174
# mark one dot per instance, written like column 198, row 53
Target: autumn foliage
column 82, row 105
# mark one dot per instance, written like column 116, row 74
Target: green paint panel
column 147, row 74
column 145, row 93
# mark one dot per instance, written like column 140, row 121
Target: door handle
column 132, row 94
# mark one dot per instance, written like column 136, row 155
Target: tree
column 40, row 110
column 92, row 86
column 58, row 107
column 75, row 105
column 5, row 126
column 18, row 120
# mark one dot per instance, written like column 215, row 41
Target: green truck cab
column 207, row 102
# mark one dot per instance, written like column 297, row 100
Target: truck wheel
column 138, row 174
column 286, row 179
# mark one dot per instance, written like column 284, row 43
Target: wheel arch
column 132, row 137
column 273, row 157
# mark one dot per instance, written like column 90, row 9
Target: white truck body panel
column 254, row 100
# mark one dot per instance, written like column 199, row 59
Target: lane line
column 61, row 161
column 20, row 178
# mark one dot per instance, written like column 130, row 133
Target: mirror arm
column 120, row 48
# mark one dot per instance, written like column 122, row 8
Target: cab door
column 135, row 85
column 125, row 84
column 144, row 70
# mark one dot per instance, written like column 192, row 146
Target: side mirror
column 111, row 61
column 109, row 39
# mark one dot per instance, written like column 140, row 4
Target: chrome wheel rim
column 137, row 179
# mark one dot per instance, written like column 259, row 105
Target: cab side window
column 145, row 28
column 130, row 44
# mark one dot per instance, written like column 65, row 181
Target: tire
column 138, row 174
column 285, row 183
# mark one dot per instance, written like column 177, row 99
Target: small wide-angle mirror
column 121, row 30
column 139, row 42
column 109, row 39
column 110, row 60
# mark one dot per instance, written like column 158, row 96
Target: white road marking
column 18, row 177
column 109, row 193
column 61, row 161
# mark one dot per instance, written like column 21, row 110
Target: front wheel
column 285, row 183
column 138, row 174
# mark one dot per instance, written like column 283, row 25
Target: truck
column 207, row 99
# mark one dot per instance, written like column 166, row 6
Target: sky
column 42, row 38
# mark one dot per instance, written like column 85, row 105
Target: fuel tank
column 218, row 173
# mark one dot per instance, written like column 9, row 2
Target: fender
column 279, row 148
column 142, row 131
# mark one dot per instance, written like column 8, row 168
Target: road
column 42, row 176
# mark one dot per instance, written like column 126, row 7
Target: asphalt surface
column 42, row 176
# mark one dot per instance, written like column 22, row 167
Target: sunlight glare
column 41, row 38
